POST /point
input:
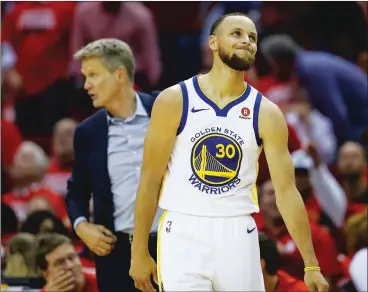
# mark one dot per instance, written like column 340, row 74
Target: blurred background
column 324, row 99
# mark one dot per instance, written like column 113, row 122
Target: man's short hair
column 279, row 47
column 46, row 244
column 219, row 20
column 269, row 253
column 113, row 53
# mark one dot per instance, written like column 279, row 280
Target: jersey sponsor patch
column 215, row 160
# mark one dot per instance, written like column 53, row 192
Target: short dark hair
column 279, row 47
column 47, row 243
column 219, row 20
column 269, row 253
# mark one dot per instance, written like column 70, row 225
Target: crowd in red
column 43, row 101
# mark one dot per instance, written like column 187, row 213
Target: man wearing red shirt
column 61, row 266
column 352, row 166
column 61, row 163
column 39, row 33
column 29, row 167
column 292, row 261
column 276, row 280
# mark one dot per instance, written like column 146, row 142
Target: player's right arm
column 159, row 143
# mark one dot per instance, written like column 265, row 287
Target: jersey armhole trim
column 257, row 105
column 184, row 114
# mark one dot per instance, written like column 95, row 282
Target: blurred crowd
column 312, row 61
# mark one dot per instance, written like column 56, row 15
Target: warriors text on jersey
column 213, row 168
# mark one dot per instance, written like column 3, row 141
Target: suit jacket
column 90, row 171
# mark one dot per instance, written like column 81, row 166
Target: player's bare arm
column 274, row 134
column 158, row 145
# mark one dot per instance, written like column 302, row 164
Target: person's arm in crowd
column 274, row 134
column 322, row 134
column 329, row 192
column 149, row 47
column 158, row 146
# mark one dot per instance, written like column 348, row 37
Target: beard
column 234, row 61
column 352, row 177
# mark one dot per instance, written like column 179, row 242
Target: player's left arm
column 274, row 134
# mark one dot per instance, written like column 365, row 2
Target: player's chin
column 97, row 103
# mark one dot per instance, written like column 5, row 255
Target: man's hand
column 98, row 239
column 141, row 269
column 315, row 281
column 62, row 281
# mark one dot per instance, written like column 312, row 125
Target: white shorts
column 208, row 254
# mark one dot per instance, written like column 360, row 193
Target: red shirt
column 90, row 284
column 324, row 246
column 19, row 202
column 39, row 33
column 56, row 177
column 289, row 284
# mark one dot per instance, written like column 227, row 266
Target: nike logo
column 250, row 230
column 199, row 110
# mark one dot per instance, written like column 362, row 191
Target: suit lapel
column 101, row 144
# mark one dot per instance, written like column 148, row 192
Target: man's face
column 236, row 42
column 100, row 84
column 64, row 258
column 303, row 184
column 351, row 161
column 267, row 201
column 63, row 139
column 24, row 165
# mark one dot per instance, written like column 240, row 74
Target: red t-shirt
column 40, row 33
column 19, row 203
column 288, row 283
column 90, row 284
column 324, row 246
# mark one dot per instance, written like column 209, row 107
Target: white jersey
column 213, row 168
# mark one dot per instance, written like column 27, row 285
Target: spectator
column 43, row 222
column 319, row 189
column 292, row 262
column 275, row 279
column 29, row 168
column 39, row 34
column 61, row 266
column 312, row 127
column 21, row 257
column 334, row 86
column 60, row 165
column 357, row 243
column 39, row 204
column 352, row 167
column 131, row 22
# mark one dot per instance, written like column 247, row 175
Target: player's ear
column 212, row 42
column 121, row 74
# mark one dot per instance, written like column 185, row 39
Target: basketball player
column 201, row 150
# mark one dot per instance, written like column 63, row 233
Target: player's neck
column 226, row 81
column 123, row 105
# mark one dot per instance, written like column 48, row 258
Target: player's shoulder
column 90, row 123
column 171, row 97
column 269, row 110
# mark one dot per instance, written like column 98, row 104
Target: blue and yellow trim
column 159, row 276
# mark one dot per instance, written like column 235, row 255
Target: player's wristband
column 309, row 269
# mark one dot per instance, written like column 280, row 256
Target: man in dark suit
column 108, row 155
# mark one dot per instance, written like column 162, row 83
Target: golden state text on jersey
column 215, row 160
